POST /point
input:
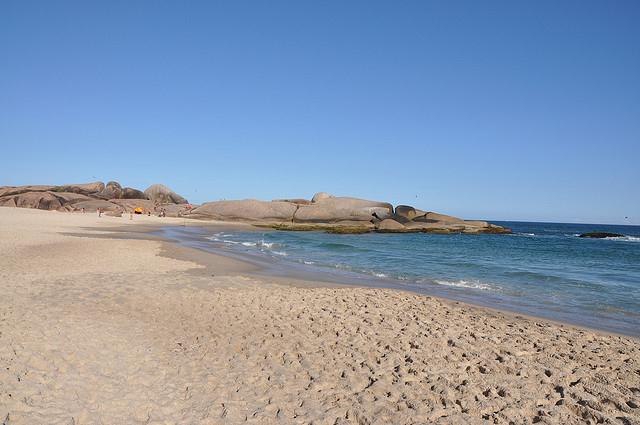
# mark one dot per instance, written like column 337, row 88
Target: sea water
column 542, row 269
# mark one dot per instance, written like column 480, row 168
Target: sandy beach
column 99, row 330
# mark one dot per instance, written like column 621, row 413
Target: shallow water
column 542, row 269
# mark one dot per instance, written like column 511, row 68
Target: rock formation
column 92, row 196
column 325, row 212
column 249, row 210
column 339, row 215
column 600, row 235
column 161, row 193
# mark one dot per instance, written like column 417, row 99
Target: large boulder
column 112, row 190
column 38, row 200
column 409, row 212
column 320, row 196
column 246, row 210
column 162, row 194
column 342, row 209
column 131, row 193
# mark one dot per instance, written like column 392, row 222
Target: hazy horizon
column 498, row 111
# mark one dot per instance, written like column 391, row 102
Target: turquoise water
column 542, row 269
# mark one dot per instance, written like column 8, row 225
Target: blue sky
column 498, row 110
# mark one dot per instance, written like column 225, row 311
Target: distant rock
column 131, row 193
column 250, row 210
column 38, row 200
column 408, row 212
column 601, row 235
column 112, row 190
column 331, row 209
column 324, row 212
column 161, row 193
column 320, row 196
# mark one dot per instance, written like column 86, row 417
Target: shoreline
column 116, row 327
column 320, row 277
column 260, row 269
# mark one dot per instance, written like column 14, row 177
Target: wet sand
column 112, row 330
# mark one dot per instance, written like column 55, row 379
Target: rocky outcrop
column 112, row 190
column 320, row 196
column 249, row 210
column 331, row 209
column 336, row 214
column 407, row 219
column 38, row 200
column 131, row 193
column 600, row 235
column 161, row 193
column 89, row 197
column 325, row 212
column 328, row 210
column 408, row 212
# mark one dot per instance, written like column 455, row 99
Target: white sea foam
column 231, row 242
column 281, row 253
column 379, row 274
column 249, row 243
column 625, row 239
column 266, row 244
column 309, row 262
column 473, row 284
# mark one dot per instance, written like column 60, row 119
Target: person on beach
column 99, row 212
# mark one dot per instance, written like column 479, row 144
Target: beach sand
column 95, row 330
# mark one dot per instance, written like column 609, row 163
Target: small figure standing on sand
column 82, row 210
column 99, row 212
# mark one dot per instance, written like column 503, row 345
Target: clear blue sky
column 500, row 110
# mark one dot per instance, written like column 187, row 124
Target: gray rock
column 38, row 200
column 162, row 194
column 112, row 190
column 342, row 209
column 131, row 193
column 320, row 196
column 246, row 210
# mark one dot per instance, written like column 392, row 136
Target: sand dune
column 96, row 330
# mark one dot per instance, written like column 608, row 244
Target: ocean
column 542, row 269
